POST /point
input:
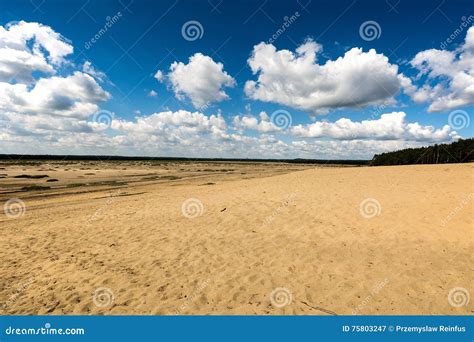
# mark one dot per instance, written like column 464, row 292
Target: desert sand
column 235, row 238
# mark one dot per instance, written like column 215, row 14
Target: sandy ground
column 221, row 238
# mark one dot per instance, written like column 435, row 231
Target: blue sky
column 147, row 36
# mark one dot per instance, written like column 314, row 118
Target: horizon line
column 138, row 158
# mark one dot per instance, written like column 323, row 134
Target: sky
column 236, row 79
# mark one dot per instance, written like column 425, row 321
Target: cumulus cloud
column 190, row 134
column 180, row 133
column 348, row 149
column 194, row 134
column 264, row 125
column 449, row 76
column 182, row 123
column 390, row 126
column 88, row 68
column 34, row 98
column 45, row 107
column 76, row 95
column 296, row 79
column 22, row 51
column 152, row 93
column 201, row 80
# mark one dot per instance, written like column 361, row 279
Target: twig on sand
column 320, row 309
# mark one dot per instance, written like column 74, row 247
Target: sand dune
column 258, row 239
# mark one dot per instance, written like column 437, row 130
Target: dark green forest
column 461, row 151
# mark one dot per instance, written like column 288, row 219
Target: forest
column 461, row 151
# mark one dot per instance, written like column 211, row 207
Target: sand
column 270, row 239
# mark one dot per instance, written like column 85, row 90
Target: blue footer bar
column 236, row 328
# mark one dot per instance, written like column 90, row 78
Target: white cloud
column 194, row 134
column 348, row 149
column 180, row 133
column 159, row 76
column 18, row 65
column 88, row 68
column 34, row 99
column 201, row 80
column 264, row 125
column 22, row 51
column 454, row 73
column 297, row 80
column 152, row 93
column 390, row 126
column 181, row 123
column 46, row 108
column 76, row 95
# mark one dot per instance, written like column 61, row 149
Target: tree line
column 461, row 151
